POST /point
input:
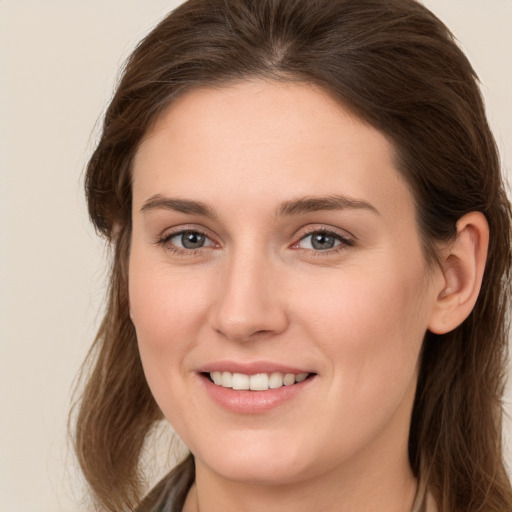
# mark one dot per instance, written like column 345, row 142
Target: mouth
column 255, row 382
column 254, row 387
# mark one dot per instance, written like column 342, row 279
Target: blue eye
column 322, row 241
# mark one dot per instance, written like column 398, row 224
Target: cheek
column 371, row 325
column 162, row 300
column 168, row 312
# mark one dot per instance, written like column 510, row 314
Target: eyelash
column 344, row 242
column 164, row 241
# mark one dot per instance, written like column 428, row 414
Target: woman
column 311, row 265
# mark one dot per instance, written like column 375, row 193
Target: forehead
column 258, row 108
column 264, row 138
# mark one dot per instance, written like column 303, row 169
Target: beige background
column 58, row 63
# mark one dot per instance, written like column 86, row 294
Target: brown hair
column 395, row 65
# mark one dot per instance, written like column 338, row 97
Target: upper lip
column 251, row 368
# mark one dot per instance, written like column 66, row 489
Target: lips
column 254, row 387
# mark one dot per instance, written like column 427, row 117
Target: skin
column 355, row 315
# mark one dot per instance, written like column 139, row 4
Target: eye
column 186, row 240
column 321, row 240
column 189, row 240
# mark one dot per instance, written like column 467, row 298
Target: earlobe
column 462, row 266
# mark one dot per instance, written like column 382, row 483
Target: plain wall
column 58, row 65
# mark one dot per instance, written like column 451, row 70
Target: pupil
column 192, row 240
column 322, row 241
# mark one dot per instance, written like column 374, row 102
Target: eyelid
column 322, row 228
column 167, row 234
column 346, row 238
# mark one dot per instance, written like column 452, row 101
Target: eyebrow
column 314, row 204
column 159, row 202
column 293, row 207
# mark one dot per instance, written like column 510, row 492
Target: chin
column 261, row 472
column 257, row 462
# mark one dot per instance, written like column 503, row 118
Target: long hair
column 396, row 66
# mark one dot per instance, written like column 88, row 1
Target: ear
column 462, row 266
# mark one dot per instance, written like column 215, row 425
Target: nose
column 248, row 303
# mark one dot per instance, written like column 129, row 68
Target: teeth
column 276, row 380
column 257, row 382
column 240, row 381
column 301, row 377
column 289, row 379
column 227, row 380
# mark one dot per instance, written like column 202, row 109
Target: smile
column 255, row 391
column 257, row 382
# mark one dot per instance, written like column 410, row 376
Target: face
column 275, row 248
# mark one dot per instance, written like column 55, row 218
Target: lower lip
column 253, row 402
